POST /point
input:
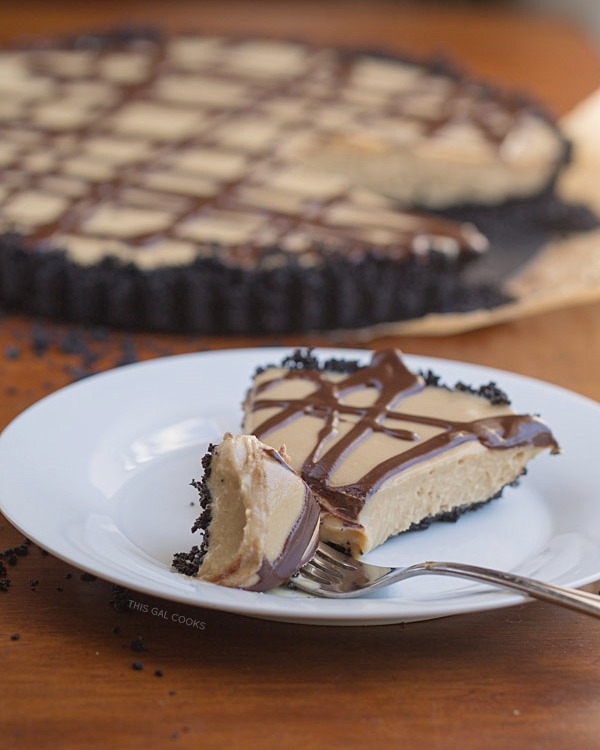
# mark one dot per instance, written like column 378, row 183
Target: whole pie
column 201, row 183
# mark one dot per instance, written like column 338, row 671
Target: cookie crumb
column 137, row 644
column 120, row 598
column 12, row 352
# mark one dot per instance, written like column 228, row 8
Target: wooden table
column 523, row 677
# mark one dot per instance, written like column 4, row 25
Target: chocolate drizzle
column 393, row 383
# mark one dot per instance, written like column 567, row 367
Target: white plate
column 98, row 474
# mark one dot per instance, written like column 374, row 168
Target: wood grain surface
column 523, row 677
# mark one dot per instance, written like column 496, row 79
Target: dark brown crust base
column 189, row 563
column 210, row 297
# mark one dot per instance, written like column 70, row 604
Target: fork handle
column 582, row 601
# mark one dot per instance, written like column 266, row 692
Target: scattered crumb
column 120, row 598
column 12, row 352
column 11, row 554
column 40, row 339
column 137, row 644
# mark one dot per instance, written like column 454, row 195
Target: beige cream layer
column 455, row 166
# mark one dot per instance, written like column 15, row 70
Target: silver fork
column 333, row 574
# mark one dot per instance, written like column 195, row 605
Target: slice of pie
column 259, row 521
column 386, row 450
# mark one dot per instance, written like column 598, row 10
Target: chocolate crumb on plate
column 137, row 644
